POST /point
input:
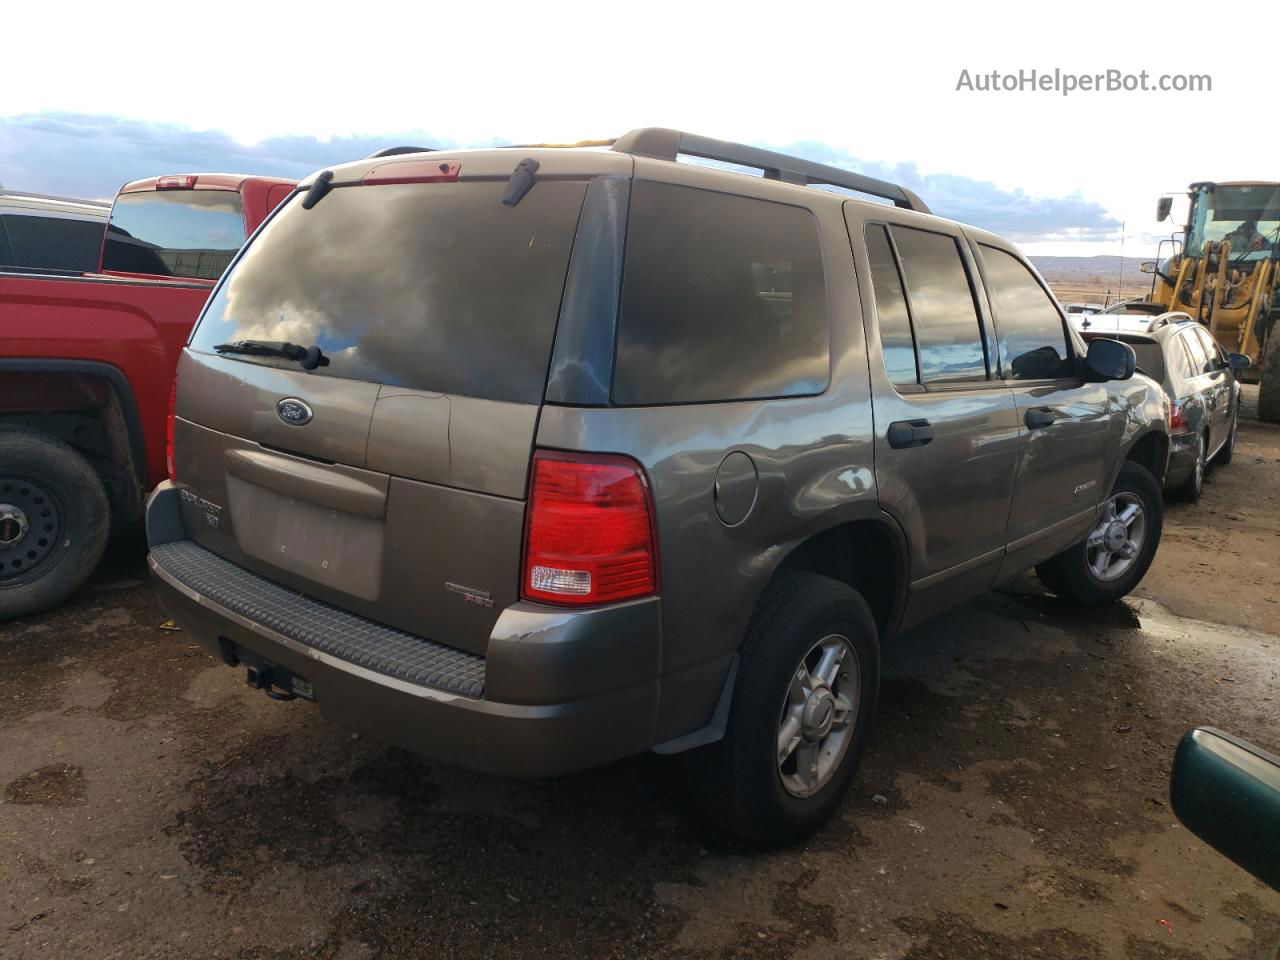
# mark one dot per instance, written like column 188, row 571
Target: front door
column 1065, row 422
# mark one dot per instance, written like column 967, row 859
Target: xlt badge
column 293, row 411
column 480, row 598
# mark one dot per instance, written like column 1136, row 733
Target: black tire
column 1190, row 489
column 1223, row 456
column 738, row 782
column 54, row 519
column 1069, row 574
column 1269, row 375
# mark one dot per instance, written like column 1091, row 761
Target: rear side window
column 948, row 335
column 896, row 342
column 434, row 286
column 723, row 298
column 1199, row 356
column 1032, row 339
column 174, row 233
column 1213, row 352
column 1182, row 357
column 53, row 243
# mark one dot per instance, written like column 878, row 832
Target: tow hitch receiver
column 278, row 684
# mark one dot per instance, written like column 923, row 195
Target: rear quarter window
column 192, row 234
column 723, row 298
column 51, row 243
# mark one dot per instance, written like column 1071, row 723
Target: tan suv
column 532, row 459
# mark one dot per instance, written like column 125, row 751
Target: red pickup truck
column 86, row 372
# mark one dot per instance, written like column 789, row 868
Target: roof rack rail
column 664, row 144
column 1173, row 316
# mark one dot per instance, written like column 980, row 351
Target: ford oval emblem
column 293, row 411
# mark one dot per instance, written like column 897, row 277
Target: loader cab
column 1247, row 215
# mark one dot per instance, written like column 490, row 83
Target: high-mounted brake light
column 1177, row 418
column 184, row 182
column 168, row 431
column 413, row 171
column 589, row 533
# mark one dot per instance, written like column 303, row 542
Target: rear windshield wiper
column 309, row 357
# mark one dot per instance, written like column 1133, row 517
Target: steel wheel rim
column 818, row 715
column 31, row 527
column 1116, row 542
column 1199, row 467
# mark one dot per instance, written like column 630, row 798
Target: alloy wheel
column 815, row 726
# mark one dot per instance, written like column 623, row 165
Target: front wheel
column 808, row 680
column 1112, row 560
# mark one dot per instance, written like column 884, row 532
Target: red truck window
column 174, row 233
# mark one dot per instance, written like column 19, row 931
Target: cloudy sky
column 254, row 88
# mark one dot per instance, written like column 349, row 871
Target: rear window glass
column 723, row 298
column 1032, row 339
column 52, row 243
column 174, row 233
column 435, row 287
column 1150, row 357
column 942, row 309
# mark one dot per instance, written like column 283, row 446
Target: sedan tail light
column 1177, row 418
column 589, row 534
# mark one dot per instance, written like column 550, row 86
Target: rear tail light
column 589, row 533
column 1177, row 419
column 168, row 431
column 413, row 171
column 184, row 182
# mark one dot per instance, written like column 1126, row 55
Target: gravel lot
column 1013, row 803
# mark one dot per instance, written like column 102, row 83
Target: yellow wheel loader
column 1225, row 272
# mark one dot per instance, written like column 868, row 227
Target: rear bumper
column 548, row 699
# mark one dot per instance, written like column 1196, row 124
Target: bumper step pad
column 320, row 626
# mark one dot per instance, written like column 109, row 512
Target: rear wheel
column 1191, row 488
column 1269, row 375
column 806, row 693
column 1108, row 563
column 54, row 519
column 1229, row 448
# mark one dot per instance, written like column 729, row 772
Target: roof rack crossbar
column 665, row 144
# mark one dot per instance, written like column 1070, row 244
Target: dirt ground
column 1013, row 803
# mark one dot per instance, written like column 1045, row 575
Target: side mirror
column 1227, row 792
column 1164, row 206
column 1109, row 360
column 1148, row 266
column 1239, row 362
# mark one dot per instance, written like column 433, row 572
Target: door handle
column 1038, row 417
column 909, row 433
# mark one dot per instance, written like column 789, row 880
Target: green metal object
column 1227, row 792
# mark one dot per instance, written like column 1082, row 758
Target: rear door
column 391, row 481
column 1065, row 422
column 946, row 433
column 1217, row 379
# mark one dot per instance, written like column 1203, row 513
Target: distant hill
column 1092, row 279
column 1085, row 269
